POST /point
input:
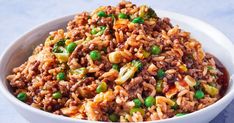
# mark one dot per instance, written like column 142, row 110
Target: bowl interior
column 212, row 42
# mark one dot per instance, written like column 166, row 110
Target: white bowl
column 212, row 40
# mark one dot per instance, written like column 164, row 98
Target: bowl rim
column 6, row 94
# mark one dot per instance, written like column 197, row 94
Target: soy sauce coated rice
column 112, row 56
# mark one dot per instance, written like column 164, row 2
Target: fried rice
column 120, row 63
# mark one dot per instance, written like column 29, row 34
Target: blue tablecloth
column 19, row 16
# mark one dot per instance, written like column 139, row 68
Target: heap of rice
column 142, row 69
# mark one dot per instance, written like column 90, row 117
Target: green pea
column 159, row 86
column 57, row 95
column 71, row 47
column 137, row 103
column 94, row 31
column 60, row 76
column 95, row 55
column 160, row 74
column 102, row 87
column 133, row 110
column 137, row 64
column 22, row 96
column 101, row 14
column 199, row 94
column 180, row 114
column 115, row 66
column 138, row 20
column 149, row 101
column 155, row 50
column 114, row 117
column 122, row 16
